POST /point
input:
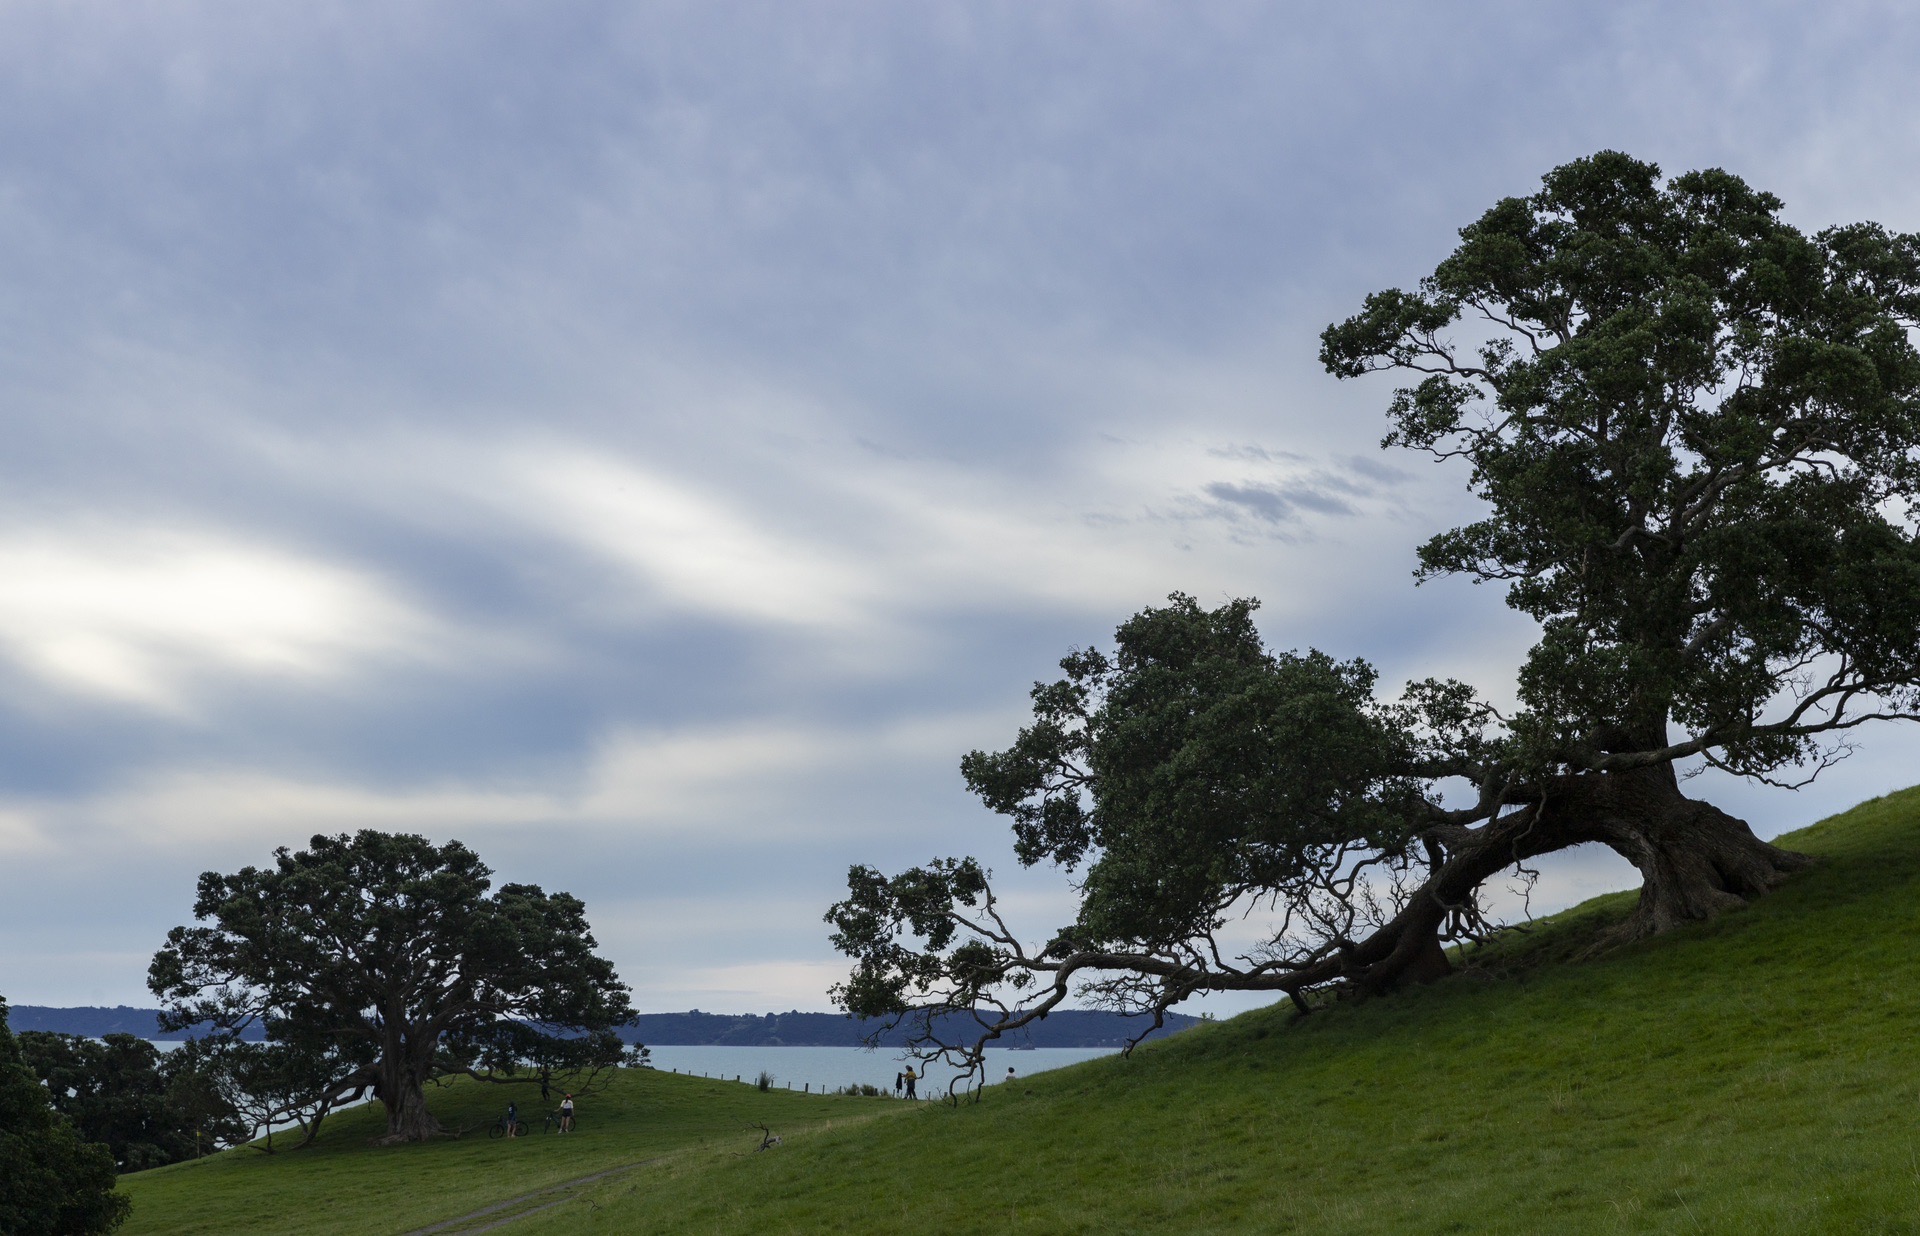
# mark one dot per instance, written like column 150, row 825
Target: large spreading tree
column 381, row 962
column 1695, row 429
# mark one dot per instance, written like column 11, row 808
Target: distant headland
column 1064, row 1028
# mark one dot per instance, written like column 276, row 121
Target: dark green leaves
column 1698, row 447
column 148, row 1109
column 52, row 1182
column 880, row 921
column 366, row 948
column 1193, row 766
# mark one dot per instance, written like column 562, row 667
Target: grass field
column 343, row 1186
column 1760, row 1073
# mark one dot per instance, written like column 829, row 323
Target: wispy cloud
column 137, row 614
column 629, row 436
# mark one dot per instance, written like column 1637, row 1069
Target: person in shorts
column 566, row 1114
column 513, row 1120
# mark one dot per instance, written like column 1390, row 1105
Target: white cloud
column 640, row 782
column 840, row 541
column 135, row 614
column 743, row 987
column 696, row 548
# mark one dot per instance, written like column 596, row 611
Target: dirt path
column 499, row 1214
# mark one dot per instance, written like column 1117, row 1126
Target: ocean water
column 830, row 1068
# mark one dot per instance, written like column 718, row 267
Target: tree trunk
column 1694, row 859
column 1408, row 949
column 408, row 1119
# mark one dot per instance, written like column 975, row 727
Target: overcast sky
column 651, row 443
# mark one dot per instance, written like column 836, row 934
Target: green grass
column 343, row 1185
column 1760, row 1073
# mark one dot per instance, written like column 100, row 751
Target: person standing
column 566, row 1114
column 899, row 1084
column 911, row 1076
column 513, row 1119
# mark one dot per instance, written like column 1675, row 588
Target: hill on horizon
column 1064, row 1028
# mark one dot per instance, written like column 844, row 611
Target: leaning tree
column 1696, row 430
column 381, row 962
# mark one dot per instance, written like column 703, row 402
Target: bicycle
column 499, row 1129
column 552, row 1124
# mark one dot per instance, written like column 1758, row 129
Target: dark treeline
column 1065, row 1028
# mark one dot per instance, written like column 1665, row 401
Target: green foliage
column 146, row 1107
column 266, row 1086
column 1695, row 428
column 1188, row 772
column 52, row 1182
column 1193, row 767
column 382, row 961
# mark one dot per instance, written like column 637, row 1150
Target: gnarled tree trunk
column 404, row 1095
column 1694, row 859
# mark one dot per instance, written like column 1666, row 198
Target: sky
column 651, row 443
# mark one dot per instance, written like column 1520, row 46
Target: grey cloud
column 1374, row 470
column 1259, row 454
column 1278, row 505
column 862, row 279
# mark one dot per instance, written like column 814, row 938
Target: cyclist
column 566, row 1114
column 513, row 1119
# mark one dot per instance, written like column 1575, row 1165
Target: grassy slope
column 1755, row 1074
column 343, row 1185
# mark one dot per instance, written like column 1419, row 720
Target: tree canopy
column 1696, row 430
column 52, row 1182
column 381, row 962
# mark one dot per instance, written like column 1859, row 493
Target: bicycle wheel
column 499, row 1130
column 549, row 1125
column 519, row 1129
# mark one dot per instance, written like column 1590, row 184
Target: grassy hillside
column 343, row 1186
column 1756, row 1074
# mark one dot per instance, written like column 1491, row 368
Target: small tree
column 385, row 962
column 52, row 1183
column 265, row 1087
column 122, row 1092
column 1697, row 431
